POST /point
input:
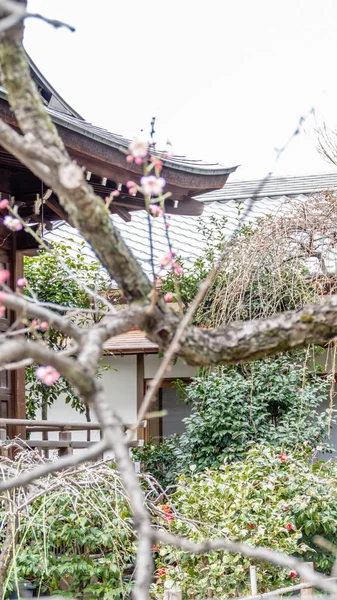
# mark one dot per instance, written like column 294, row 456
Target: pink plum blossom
column 168, row 297
column 132, row 187
column 138, row 148
column 157, row 163
column 44, row 326
column 4, row 203
column 12, row 223
column 178, row 268
column 4, row 274
column 167, row 259
column 152, row 186
column 48, row 375
column 21, row 282
column 155, row 210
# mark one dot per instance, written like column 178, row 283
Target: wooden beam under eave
column 121, row 212
column 58, row 210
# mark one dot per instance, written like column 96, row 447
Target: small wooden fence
column 64, row 444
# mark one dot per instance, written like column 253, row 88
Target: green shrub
column 271, row 499
column 78, row 539
column 274, row 401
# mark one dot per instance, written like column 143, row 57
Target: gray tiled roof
column 64, row 115
column 273, row 187
column 186, row 238
column 115, row 140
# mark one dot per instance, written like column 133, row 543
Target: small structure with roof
column 132, row 357
column 99, row 153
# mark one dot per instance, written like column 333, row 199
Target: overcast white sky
column 226, row 80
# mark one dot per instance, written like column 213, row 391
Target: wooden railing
column 65, row 444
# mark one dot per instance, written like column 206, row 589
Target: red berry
column 289, row 526
column 292, row 574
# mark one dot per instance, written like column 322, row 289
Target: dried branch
column 53, row 467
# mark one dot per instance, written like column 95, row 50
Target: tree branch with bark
column 40, row 149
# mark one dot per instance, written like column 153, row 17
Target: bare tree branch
column 13, row 351
column 17, row 13
column 276, row 558
column 29, row 309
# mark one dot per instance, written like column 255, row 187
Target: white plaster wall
column 179, row 369
column 120, row 385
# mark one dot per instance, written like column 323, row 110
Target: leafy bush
column 49, row 277
column 78, row 539
column 271, row 499
column 275, row 401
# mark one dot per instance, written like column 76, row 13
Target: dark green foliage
column 51, row 279
column 274, row 401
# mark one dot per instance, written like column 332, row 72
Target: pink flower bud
column 4, row 203
column 3, row 296
column 168, row 297
column 155, row 210
column 48, row 375
column 138, row 160
column 21, row 282
column 2, row 311
column 115, row 193
column 35, row 323
column 129, row 158
column 130, row 184
column 44, row 326
column 167, row 259
column 178, row 268
column 4, row 274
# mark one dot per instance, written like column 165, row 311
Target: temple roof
column 186, row 235
column 102, row 154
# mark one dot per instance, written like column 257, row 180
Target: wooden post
column 307, row 592
column 172, row 595
column 253, row 582
column 65, row 436
column 3, row 438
